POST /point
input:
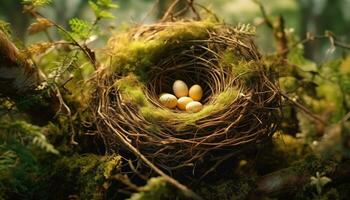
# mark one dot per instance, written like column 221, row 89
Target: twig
column 264, row 14
column 74, row 42
column 149, row 12
column 187, row 192
column 169, row 11
column 303, row 108
column 190, row 5
column 278, row 30
column 310, row 37
column 281, row 38
column 290, row 178
column 208, row 11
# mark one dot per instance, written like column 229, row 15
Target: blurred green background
column 301, row 16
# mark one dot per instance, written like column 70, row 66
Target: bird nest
column 240, row 100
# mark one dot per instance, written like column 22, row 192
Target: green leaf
column 107, row 4
column 81, row 29
column 101, row 8
column 106, row 14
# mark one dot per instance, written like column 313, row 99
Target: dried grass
column 241, row 101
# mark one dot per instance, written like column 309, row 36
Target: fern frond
column 28, row 133
column 101, row 8
column 41, row 141
column 80, row 28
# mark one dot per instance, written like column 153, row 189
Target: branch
column 170, row 11
column 304, row 109
column 186, row 191
column 299, row 175
column 278, row 30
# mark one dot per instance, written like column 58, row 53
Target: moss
column 155, row 189
column 228, row 189
column 138, row 54
column 132, row 92
column 157, row 115
column 87, row 176
column 222, row 100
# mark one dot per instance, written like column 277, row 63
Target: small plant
column 319, row 181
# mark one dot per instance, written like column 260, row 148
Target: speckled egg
column 168, row 100
column 196, row 92
column 180, row 88
column 182, row 102
column 194, row 106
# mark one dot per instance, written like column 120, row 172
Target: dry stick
column 190, row 4
column 170, row 10
column 280, row 36
column 208, row 11
column 187, row 192
column 264, row 14
column 289, row 178
column 149, row 12
column 313, row 37
column 278, row 30
column 303, row 108
column 74, row 42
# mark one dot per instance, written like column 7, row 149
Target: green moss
column 155, row 189
column 228, row 189
column 222, row 100
column 86, row 175
column 157, row 115
column 137, row 55
column 131, row 90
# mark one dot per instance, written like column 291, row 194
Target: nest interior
column 241, row 102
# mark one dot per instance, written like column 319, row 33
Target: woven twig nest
column 240, row 99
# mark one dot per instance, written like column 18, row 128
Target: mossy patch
column 132, row 92
column 131, row 54
column 86, row 175
column 155, row 189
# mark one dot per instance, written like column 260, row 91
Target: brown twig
column 194, row 10
column 310, row 37
column 264, row 14
column 278, row 29
column 187, row 192
column 246, row 118
column 208, row 11
column 292, row 177
column 280, row 36
column 149, row 12
column 303, row 108
column 85, row 50
column 170, row 11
